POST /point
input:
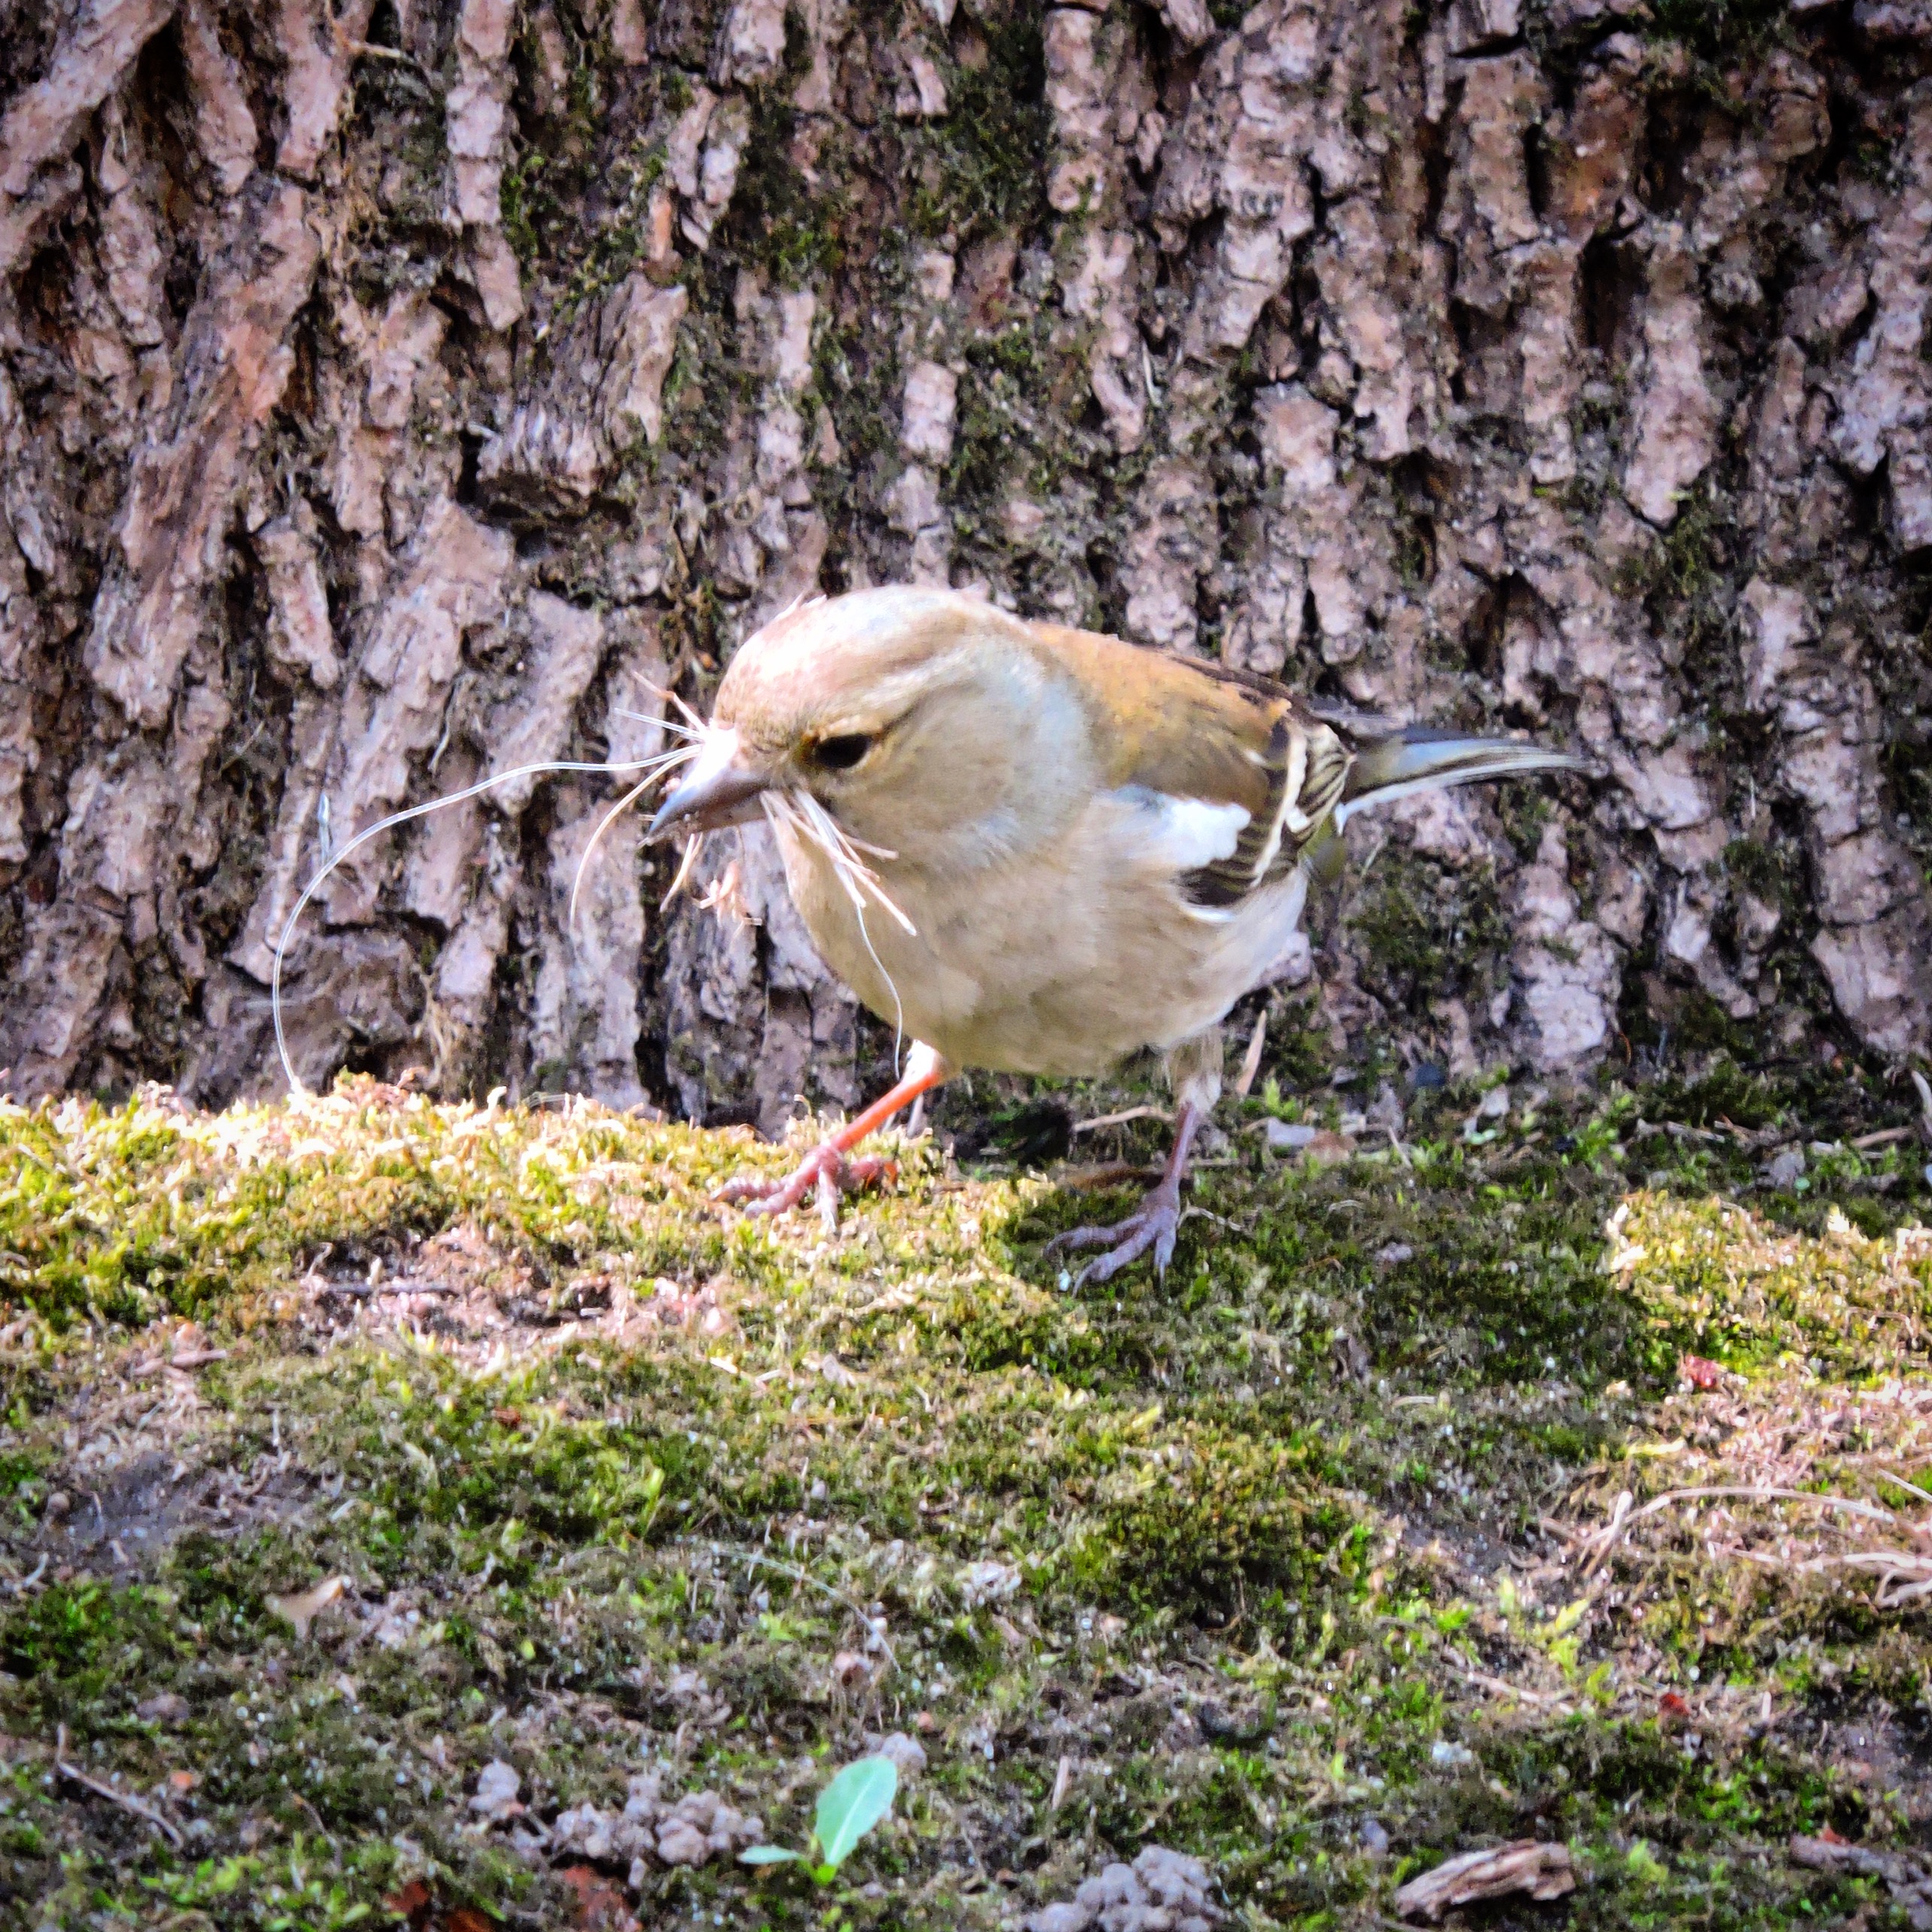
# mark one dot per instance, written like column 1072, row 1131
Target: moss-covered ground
column 1554, row 1471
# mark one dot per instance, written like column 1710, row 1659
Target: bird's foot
column 827, row 1171
column 1154, row 1224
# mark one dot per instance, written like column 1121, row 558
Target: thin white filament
column 725, row 895
column 661, row 724
column 692, row 847
column 803, row 815
column 891, row 986
column 693, row 726
column 656, row 765
column 852, row 844
column 838, row 845
column 668, row 763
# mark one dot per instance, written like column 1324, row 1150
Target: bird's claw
column 1154, row 1224
column 826, row 1171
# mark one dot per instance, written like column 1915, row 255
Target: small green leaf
column 1643, row 1863
column 769, row 1855
column 853, row 1803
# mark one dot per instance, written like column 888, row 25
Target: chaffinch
column 1036, row 849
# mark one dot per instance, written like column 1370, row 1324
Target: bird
column 1033, row 848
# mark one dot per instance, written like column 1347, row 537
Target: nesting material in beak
column 718, row 791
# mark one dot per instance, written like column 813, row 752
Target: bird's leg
column 1193, row 1070
column 826, row 1169
column 1154, row 1224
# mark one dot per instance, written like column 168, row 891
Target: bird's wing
column 1185, row 728
column 1305, row 764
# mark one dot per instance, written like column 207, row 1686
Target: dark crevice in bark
column 1610, row 297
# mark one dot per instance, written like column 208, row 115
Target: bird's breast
column 1063, row 959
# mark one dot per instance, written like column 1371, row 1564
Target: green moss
column 1685, row 582
column 1525, row 809
column 1264, row 1538
column 1752, row 1301
column 1019, row 386
column 981, row 168
column 81, row 1635
column 1003, row 373
column 1414, row 549
column 1724, row 1091
column 524, row 202
column 1759, row 869
column 1427, row 931
column 794, row 228
column 23, row 1486
column 1718, row 29
column 130, row 1213
column 545, row 183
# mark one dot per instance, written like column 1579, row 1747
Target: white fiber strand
column 656, row 766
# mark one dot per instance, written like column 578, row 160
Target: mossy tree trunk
column 391, row 393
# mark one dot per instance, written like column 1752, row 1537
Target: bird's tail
column 1423, row 761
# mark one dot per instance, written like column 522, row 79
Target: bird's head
column 919, row 719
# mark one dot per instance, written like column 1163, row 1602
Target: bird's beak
column 719, row 789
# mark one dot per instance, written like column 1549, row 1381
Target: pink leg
column 826, row 1169
column 1154, row 1224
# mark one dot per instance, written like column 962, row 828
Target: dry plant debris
column 1539, row 1871
column 1907, row 1878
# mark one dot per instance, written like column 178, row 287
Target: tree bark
column 392, row 394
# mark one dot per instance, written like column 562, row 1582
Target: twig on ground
column 1899, row 1482
column 726, row 1554
column 1746, row 1493
column 320, row 1826
column 136, row 1807
column 1891, row 1565
column 1121, row 1119
column 1108, row 1174
column 1251, row 1059
column 1623, row 1517
column 1502, row 1687
column 189, row 1358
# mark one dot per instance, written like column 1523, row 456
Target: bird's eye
column 840, row 753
